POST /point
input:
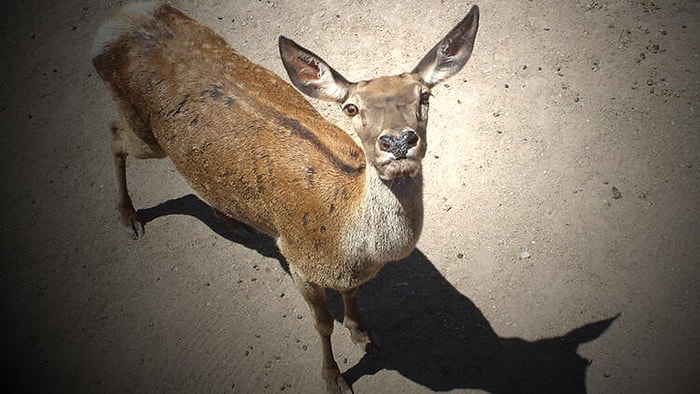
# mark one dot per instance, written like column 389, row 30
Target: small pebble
column 524, row 255
column 616, row 195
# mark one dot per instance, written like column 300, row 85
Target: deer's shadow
column 191, row 205
column 431, row 333
column 435, row 336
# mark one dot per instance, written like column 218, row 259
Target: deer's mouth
column 391, row 168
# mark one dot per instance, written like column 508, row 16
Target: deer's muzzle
column 398, row 145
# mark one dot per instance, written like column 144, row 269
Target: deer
column 263, row 157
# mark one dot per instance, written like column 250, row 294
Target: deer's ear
column 451, row 53
column 311, row 74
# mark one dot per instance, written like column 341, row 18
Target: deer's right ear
column 311, row 74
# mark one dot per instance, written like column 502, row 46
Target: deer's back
column 245, row 140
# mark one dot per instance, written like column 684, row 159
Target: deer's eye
column 350, row 110
column 425, row 98
column 422, row 113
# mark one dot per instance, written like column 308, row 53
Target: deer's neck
column 389, row 221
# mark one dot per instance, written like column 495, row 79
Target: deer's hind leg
column 233, row 226
column 130, row 136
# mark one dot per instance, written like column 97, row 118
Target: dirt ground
column 560, row 249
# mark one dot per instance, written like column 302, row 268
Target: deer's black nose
column 398, row 145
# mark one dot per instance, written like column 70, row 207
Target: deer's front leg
column 353, row 321
column 315, row 296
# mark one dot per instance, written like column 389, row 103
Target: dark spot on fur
column 306, row 218
column 179, row 107
column 309, row 173
column 214, row 91
column 332, row 209
column 259, row 183
column 194, row 121
column 323, row 229
column 229, row 101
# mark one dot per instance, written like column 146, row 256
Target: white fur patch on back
column 129, row 18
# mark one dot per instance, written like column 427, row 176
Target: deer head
column 389, row 114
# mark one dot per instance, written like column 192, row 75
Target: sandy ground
column 571, row 136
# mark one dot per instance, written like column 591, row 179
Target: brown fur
column 257, row 151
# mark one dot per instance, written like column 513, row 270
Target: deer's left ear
column 311, row 74
column 451, row 53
